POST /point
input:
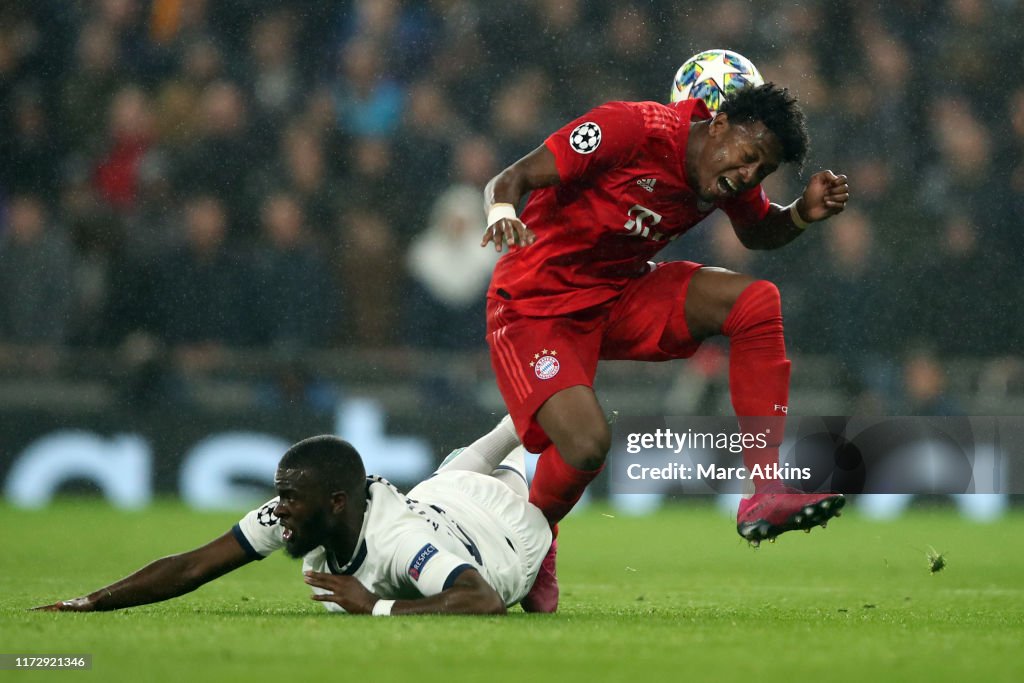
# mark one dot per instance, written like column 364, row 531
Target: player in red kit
column 608, row 191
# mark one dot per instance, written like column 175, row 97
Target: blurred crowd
column 308, row 173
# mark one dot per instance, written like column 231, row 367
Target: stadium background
column 250, row 217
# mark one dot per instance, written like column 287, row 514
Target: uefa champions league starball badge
column 585, row 137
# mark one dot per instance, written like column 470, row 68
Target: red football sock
column 557, row 485
column 759, row 372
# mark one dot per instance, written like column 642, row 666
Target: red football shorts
column 535, row 358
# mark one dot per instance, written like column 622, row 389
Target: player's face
column 302, row 511
column 735, row 158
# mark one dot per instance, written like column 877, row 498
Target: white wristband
column 382, row 608
column 797, row 219
column 499, row 211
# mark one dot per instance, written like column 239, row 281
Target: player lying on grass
column 608, row 191
column 465, row 541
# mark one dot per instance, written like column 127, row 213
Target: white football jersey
column 417, row 545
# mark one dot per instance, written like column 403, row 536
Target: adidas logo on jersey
column 647, row 183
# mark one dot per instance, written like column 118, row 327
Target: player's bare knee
column 587, row 449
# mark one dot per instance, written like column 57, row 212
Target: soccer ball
column 712, row 76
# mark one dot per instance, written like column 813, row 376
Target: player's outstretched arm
column 163, row 579
column 469, row 594
column 502, row 194
column 826, row 195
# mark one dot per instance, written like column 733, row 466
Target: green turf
column 674, row 596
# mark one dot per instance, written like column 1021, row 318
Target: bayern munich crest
column 545, row 365
column 585, row 137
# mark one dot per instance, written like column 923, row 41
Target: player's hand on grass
column 825, row 195
column 76, row 605
column 345, row 591
column 510, row 231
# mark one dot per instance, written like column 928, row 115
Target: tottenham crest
column 585, row 137
column 545, row 365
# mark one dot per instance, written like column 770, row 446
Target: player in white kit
column 465, row 541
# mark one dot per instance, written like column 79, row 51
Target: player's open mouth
column 728, row 186
column 286, row 534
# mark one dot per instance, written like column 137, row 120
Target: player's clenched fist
column 825, row 195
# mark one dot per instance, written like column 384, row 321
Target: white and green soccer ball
column 712, row 76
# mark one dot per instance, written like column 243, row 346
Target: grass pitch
column 673, row 596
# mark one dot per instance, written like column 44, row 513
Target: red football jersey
column 623, row 197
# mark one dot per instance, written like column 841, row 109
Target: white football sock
column 512, row 472
column 486, row 453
